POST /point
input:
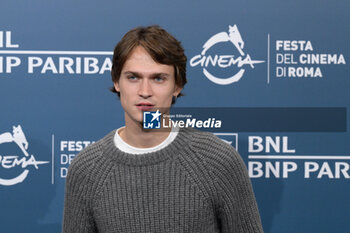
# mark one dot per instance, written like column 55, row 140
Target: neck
column 134, row 135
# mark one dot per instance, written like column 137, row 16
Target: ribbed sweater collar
column 115, row 155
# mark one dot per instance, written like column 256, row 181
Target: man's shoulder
column 209, row 160
column 208, row 142
column 213, row 151
column 92, row 154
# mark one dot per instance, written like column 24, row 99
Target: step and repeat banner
column 275, row 73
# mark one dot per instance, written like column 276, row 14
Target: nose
column 145, row 89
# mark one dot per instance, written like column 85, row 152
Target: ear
column 177, row 90
column 116, row 86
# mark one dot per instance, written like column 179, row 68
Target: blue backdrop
column 285, row 63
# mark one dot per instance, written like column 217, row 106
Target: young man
column 135, row 180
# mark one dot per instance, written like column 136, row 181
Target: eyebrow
column 137, row 74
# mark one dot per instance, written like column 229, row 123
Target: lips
column 144, row 106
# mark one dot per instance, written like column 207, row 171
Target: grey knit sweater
column 197, row 184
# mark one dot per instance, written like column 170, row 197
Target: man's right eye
column 132, row 78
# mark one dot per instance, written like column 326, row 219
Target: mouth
column 145, row 106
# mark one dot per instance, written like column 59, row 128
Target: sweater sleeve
column 77, row 215
column 237, row 207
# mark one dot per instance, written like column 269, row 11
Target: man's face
column 145, row 85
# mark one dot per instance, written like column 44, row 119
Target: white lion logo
column 234, row 36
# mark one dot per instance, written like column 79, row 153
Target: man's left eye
column 159, row 79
